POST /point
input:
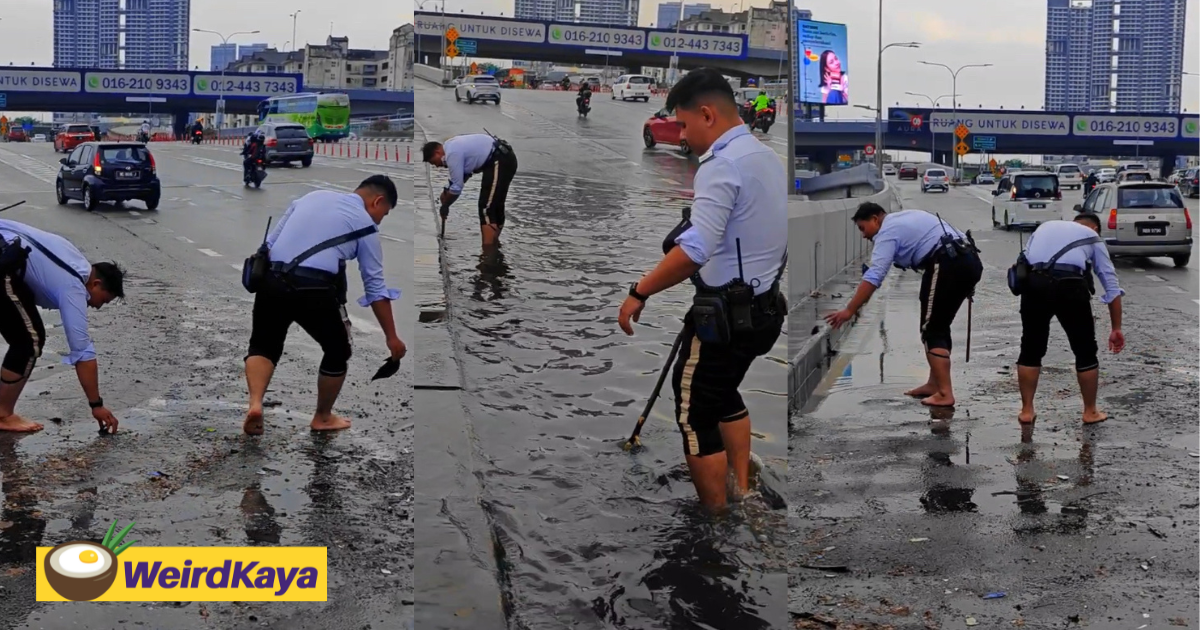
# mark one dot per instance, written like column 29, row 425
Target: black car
column 1189, row 184
column 108, row 171
column 287, row 143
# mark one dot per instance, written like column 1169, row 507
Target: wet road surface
column 583, row 534
column 908, row 518
column 171, row 370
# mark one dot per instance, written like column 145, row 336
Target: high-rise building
column 668, row 13
column 119, row 34
column 222, row 55
column 1114, row 55
column 619, row 12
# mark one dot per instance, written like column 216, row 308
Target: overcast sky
column 951, row 31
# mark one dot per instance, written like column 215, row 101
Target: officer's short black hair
column 701, row 85
column 111, row 277
column 868, row 210
column 428, row 149
column 1088, row 217
column 383, row 185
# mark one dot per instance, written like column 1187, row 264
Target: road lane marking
column 149, row 221
column 1174, row 289
column 185, row 239
column 1139, row 270
column 1154, row 278
column 1196, row 301
column 392, row 238
column 358, row 322
column 236, row 266
column 209, row 252
column 134, row 213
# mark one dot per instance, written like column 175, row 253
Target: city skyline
column 125, row 34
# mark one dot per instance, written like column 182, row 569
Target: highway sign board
column 916, row 122
column 467, row 46
column 869, row 149
column 3, row 99
column 451, row 51
column 451, row 34
column 961, row 148
column 961, row 131
column 984, row 143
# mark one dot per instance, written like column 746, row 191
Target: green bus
column 326, row 117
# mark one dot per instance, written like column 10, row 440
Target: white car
column 1106, row 175
column 632, row 86
column 888, row 169
column 1026, row 199
column 1069, row 175
column 39, row 137
column 478, row 87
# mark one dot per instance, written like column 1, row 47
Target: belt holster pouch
column 950, row 247
column 710, row 319
column 256, row 268
column 502, row 148
column 740, row 297
column 342, row 286
column 13, row 258
column 1018, row 275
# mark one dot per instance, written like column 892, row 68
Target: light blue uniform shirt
column 54, row 287
column 320, row 216
column 465, row 155
column 740, row 193
column 906, row 238
column 1052, row 236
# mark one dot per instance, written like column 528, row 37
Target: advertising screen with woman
column 823, row 71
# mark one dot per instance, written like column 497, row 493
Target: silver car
column 935, row 178
column 287, row 143
column 478, row 87
column 1142, row 219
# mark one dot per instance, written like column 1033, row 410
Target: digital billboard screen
column 822, row 69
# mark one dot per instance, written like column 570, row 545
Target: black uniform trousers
column 497, row 175
column 946, row 284
column 315, row 306
column 1068, row 298
column 20, row 325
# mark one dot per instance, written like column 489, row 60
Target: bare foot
column 1094, row 417
column 254, row 422
column 938, row 400
column 329, row 422
column 1026, row 417
column 923, row 391
column 17, row 424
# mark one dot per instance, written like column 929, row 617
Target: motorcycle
column 747, row 112
column 197, row 136
column 584, row 106
column 256, row 174
column 763, row 120
column 143, row 137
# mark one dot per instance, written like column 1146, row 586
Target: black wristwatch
column 633, row 292
column 96, row 405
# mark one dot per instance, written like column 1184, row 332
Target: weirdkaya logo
column 94, row 82
column 83, row 570
column 555, row 33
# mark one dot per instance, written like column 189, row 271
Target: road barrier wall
column 824, row 244
column 433, row 75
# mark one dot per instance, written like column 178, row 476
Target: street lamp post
column 442, row 53
column 293, row 16
column 879, row 89
column 932, row 131
column 224, row 41
column 954, row 97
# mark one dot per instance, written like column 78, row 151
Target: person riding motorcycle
column 1090, row 182
column 566, row 83
column 585, row 92
column 253, row 149
column 144, row 132
column 198, row 128
column 761, row 102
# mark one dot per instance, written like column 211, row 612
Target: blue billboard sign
column 821, row 61
column 983, row 143
column 148, row 83
column 467, row 46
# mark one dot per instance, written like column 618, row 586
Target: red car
column 662, row 127
column 70, row 136
column 907, row 171
column 17, row 134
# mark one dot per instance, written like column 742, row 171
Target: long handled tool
column 970, row 301
column 662, row 377
column 444, row 213
column 12, row 206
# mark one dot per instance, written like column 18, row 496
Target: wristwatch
column 96, row 405
column 633, row 292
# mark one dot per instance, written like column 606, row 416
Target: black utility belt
column 719, row 315
column 315, row 277
column 499, row 149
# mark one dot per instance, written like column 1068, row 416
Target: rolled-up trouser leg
column 21, row 327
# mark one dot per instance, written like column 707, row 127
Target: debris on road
column 996, row 595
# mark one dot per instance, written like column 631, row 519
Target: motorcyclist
column 566, row 83
column 252, row 151
column 198, row 127
column 1090, row 182
column 145, row 131
column 761, row 102
column 585, row 92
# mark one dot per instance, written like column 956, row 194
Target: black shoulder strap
column 1080, row 243
column 53, row 258
column 333, row 242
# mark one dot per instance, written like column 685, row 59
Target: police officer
column 740, row 198
column 308, row 250
column 46, row 270
column 1061, row 256
column 915, row 239
column 470, row 154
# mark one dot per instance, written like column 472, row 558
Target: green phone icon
column 94, row 82
column 202, row 84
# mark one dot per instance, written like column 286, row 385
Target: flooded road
column 919, row 519
column 170, row 359
column 584, row 534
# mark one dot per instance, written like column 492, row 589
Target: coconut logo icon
column 82, row 570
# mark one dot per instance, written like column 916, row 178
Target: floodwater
column 588, row 535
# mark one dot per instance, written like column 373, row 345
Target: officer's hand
column 108, row 422
column 837, row 319
column 444, row 212
column 631, row 309
column 1116, row 341
column 446, row 198
column 397, row 348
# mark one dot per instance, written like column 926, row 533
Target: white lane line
column 168, row 231
column 1196, row 301
column 134, row 213
column 209, row 252
column 671, row 181
column 236, row 267
column 508, row 114
column 185, row 239
column 239, row 197
column 358, row 322
column 1139, row 270
column 1154, row 278
column 1174, row 289
column 149, row 221
column 392, row 238
column 192, row 203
